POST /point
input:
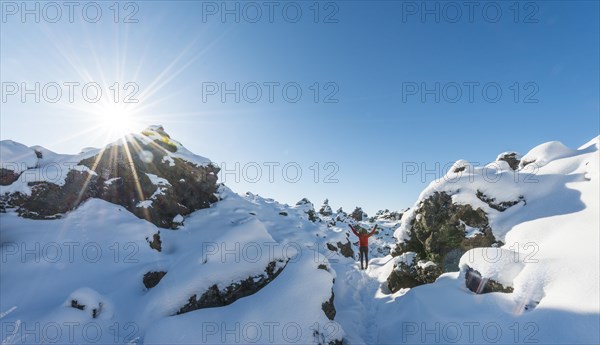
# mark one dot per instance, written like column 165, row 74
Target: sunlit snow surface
column 99, row 253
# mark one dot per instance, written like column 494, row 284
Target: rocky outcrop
column 344, row 248
column 215, row 297
column 155, row 243
column 309, row 209
column 512, row 158
column 126, row 174
column 358, row 214
column 408, row 275
column 95, row 310
column 438, row 234
column 499, row 206
column 328, row 307
column 75, row 304
column 480, row 285
column 7, row 177
column 151, row 279
column 387, row 215
column 49, row 200
column 325, row 209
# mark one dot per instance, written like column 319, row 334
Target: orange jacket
column 363, row 239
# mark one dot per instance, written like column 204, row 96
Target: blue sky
column 375, row 58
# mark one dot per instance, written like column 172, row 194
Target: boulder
column 215, row 297
column 7, row 177
column 480, row 285
column 407, row 274
column 498, row 206
column 136, row 174
column 438, row 234
column 151, row 279
column 358, row 214
column 512, row 158
column 328, row 307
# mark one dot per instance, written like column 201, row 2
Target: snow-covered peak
column 16, row 157
column 545, row 153
column 592, row 143
column 134, row 171
column 173, row 148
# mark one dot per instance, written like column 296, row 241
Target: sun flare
column 118, row 120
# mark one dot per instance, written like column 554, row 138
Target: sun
column 117, row 120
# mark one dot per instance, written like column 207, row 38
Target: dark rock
column 346, row 249
column 511, row 159
column 325, row 209
column 303, row 201
column 329, row 308
column 309, row 209
column 358, row 214
column 283, row 213
column 312, row 216
column 480, row 285
column 388, row 215
column 38, row 154
column 437, row 234
column 75, row 304
column 49, row 200
column 151, row 279
column 501, row 206
column 214, row 297
column 156, row 243
column 127, row 164
column 459, row 169
column 410, row 275
column 7, row 177
column 96, row 311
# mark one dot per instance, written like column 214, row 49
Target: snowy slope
column 81, row 278
column 551, row 257
column 108, row 260
column 51, row 167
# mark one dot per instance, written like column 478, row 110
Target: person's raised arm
column 373, row 231
column 354, row 231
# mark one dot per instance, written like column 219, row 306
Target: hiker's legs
column 363, row 255
column 360, row 257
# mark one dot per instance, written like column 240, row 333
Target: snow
column 168, row 159
column 144, row 203
column 178, row 219
column 501, row 265
column 425, row 264
column 550, row 258
column 470, row 231
column 51, row 168
column 89, row 299
column 215, row 246
column 16, row 157
column 162, row 185
column 544, row 153
column 506, row 153
column 111, row 181
column 152, row 133
column 158, row 181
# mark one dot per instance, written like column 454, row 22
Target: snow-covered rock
column 130, row 172
column 547, row 266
